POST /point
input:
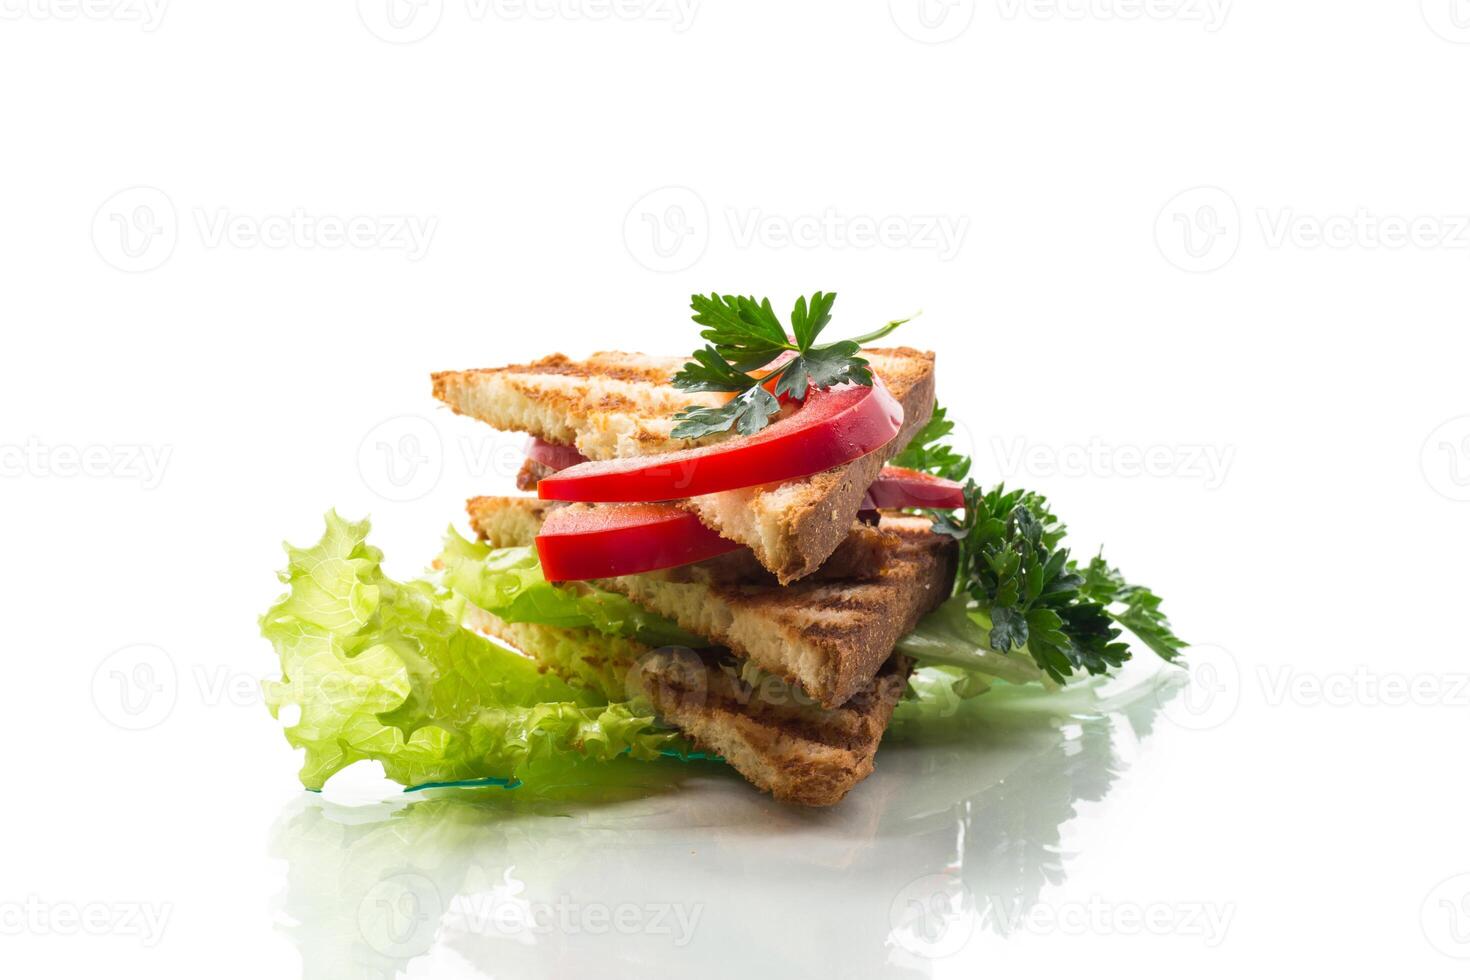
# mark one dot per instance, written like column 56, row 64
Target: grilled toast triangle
column 615, row 405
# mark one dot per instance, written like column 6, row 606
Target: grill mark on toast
column 799, row 755
column 828, row 637
column 795, row 752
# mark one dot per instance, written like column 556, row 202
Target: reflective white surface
column 1172, row 310
column 681, row 868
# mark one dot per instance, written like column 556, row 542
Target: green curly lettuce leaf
column 382, row 670
column 508, row 583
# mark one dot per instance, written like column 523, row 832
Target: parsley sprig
column 745, row 335
column 928, row 451
column 1037, row 598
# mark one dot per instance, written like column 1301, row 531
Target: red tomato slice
column 832, row 427
column 579, row 543
column 552, row 456
column 897, row 487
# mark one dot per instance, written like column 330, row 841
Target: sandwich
column 751, row 555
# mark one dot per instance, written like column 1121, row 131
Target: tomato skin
column 897, row 488
column 578, row 543
column 834, row 426
column 552, row 455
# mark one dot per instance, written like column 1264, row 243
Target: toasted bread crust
column 508, row 522
column 829, row 636
column 609, row 406
column 797, row 753
column 614, row 405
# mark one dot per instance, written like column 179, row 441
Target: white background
column 1229, row 240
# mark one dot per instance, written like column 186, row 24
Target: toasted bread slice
column 771, row 734
column 828, row 635
column 615, row 405
column 795, row 751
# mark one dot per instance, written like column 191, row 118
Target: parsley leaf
column 824, row 367
column 744, row 334
column 1036, row 599
column 743, row 330
column 1141, row 614
column 808, row 320
column 747, row 413
column 711, row 372
column 927, row 452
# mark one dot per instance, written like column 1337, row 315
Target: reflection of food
column 519, row 885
